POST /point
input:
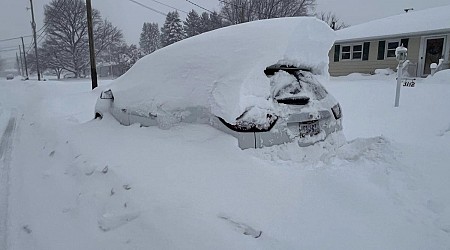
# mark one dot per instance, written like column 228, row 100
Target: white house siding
column 345, row 67
column 415, row 25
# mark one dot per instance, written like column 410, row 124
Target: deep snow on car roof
column 223, row 70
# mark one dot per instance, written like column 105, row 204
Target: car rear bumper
column 283, row 132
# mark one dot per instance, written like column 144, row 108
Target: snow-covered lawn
column 78, row 183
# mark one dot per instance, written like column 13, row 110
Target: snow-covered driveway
column 77, row 183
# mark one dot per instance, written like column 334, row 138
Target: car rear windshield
column 294, row 86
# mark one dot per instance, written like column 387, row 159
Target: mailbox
column 401, row 53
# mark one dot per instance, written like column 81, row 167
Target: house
column 112, row 70
column 369, row 46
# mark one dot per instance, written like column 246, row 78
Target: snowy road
column 78, row 183
column 5, row 159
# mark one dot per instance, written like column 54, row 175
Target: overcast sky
column 129, row 17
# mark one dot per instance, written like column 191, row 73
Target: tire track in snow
column 5, row 159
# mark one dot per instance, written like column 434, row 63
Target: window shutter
column 404, row 42
column 366, row 49
column 381, row 48
column 337, row 51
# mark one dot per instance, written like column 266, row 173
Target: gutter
column 406, row 34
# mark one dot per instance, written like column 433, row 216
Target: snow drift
column 77, row 183
column 223, row 70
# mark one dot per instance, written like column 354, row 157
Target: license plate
column 309, row 128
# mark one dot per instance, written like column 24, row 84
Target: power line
column 5, row 50
column 43, row 28
column 212, row 12
column 203, row 8
column 42, row 38
column 10, row 47
column 170, row 6
column 13, row 38
column 30, row 46
column 147, row 7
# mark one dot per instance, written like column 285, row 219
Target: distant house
column 112, row 70
column 365, row 47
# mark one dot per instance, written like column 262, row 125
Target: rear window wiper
column 297, row 100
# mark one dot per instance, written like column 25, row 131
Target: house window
column 391, row 46
column 357, row 52
column 345, row 55
column 351, row 52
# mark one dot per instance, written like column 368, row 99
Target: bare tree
column 50, row 60
column 67, row 39
column 332, row 20
column 31, row 59
column 240, row 11
column 106, row 35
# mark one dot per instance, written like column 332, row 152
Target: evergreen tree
column 172, row 31
column 192, row 24
column 132, row 55
column 216, row 21
column 150, row 39
column 205, row 23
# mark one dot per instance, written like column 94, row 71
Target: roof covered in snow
column 223, row 70
column 429, row 21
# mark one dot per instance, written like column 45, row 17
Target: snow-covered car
column 9, row 77
column 69, row 75
column 256, row 81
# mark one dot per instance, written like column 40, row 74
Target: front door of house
column 434, row 50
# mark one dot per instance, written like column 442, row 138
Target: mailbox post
column 400, row 54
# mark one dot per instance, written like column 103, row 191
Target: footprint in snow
column 242, row 227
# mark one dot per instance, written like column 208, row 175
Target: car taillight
column 337, row 111
column 245, row 126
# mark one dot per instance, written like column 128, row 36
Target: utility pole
column 22, row 70
column 19, row 65
column 25, row 60
column 33, row 25
column 91, row 44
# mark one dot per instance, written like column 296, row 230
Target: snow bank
column 101, row 185
column 440, row 77
column 223, row 70
column 386, row 71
